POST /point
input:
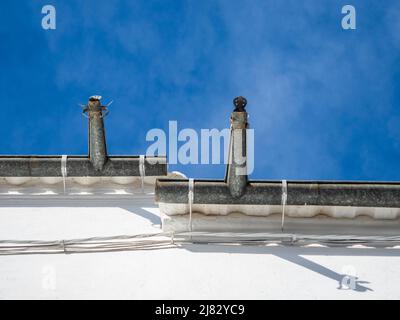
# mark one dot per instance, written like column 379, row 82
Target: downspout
column 236, row 172
column 97, row 140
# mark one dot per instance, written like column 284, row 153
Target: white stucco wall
column 192, row 271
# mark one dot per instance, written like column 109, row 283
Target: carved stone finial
column 240, row 104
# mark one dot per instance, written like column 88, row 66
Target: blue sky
column 323, row 101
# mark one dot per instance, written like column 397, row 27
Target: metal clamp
column 283, row 201
column 64, row 169
column 190, row 200
column 62, row 244
column 142, row 170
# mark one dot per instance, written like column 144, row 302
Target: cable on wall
column 176, row 240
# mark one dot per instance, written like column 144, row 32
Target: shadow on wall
column 351, row 282
column 295, row 255
column 133, row 206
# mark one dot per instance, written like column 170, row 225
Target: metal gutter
column 346, row 193
column 237, row 190
column 79, row 166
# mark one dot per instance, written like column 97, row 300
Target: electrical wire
column 155, row 241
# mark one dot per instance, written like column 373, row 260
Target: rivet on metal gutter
column 97, row 164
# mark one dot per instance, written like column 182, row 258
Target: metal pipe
column 97, row 138
column 236, row 173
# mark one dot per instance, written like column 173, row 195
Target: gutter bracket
column 190, row 200
column 284, row 201
column 64, row 170
column 142, row 170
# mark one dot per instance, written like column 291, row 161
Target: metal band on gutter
column 284, row 200
column 142, row 170
column 64, row 169
column 190, row 199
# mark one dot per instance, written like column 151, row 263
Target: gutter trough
column 79, row 166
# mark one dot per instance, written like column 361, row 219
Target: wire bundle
column 288, row 238
column 171, row 240
column 95, row 244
